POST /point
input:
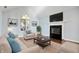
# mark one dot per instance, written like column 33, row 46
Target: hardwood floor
column 55, row 47
column 58, row 41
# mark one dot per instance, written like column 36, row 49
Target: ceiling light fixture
column 25, row 17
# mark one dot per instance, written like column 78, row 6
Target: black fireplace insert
column 56, row 32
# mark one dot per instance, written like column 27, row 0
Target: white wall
column 71, row 18
column 17, row 13
column 44, row 23
column 70, row 29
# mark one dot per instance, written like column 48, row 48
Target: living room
column 24, row 20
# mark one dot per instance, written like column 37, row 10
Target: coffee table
column 42, row 41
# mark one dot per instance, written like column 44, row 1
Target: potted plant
column 39, row 29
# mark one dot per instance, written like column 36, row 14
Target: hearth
column 56, row 32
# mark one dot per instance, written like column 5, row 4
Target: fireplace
column 56, row 32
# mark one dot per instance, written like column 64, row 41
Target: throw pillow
column 11, row 35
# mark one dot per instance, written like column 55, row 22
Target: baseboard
column 71, row 40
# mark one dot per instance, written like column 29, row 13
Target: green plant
column 39, row 29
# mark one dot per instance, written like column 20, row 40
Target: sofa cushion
column 14, row 45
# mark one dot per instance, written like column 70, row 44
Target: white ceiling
column 8, row 8
column 33, row 7
column 39, row 10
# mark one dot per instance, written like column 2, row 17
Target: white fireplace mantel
column 56, row 23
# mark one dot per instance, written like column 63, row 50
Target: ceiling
column 38, row 10
column 8, row 8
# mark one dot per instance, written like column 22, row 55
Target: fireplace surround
column 56, row 32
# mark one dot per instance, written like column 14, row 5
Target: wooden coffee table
column 42, row 41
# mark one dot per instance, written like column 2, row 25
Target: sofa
column 5, row 46
column 30, row 36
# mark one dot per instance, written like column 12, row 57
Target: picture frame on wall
column 12, row 22
column 34, row 23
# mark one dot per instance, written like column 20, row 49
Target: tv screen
column 56, row 17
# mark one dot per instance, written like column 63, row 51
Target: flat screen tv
column 56, row 17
